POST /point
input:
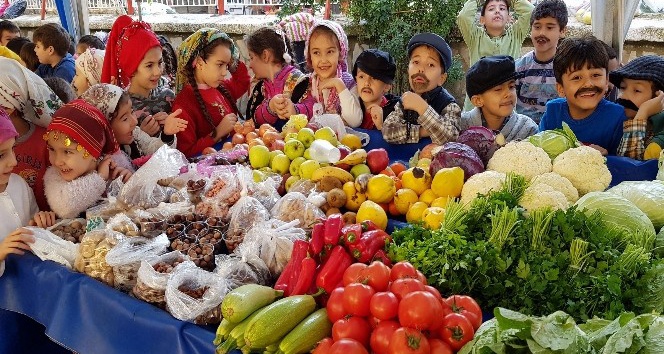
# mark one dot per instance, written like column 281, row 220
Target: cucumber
column 224, row 329
column 307, row 334
column 277, row 319
column 235, row 338
column 245, row 300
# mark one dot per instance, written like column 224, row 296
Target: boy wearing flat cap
column 641, row 83
column 491, row 86
column 374, row 72
column 428, row 110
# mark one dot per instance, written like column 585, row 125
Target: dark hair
column 551, row 8
column 610, row 51
column 29, row 57
column 15, row 44
column 170, row 59
column 486, row 3
column 124, row 98
column 53, row 35
column 6, row 25
column 61, row 88
column 267, row 38
column 575, row 53
column 92, row 41
column 206, row 50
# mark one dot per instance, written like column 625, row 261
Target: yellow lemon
column 440, row 202
column 433, row 217
column 404, row 199
column 428, row 196
column 374, row 212
column 417, row 179
column 448, row 182
column 354, row 199
column 352, row 141
column 415, row 212
column 381, row 189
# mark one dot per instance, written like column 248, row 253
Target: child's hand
column 150, row 125
column 225, row 127
column 414, row 102
column 652, row 106
column 278, row 103
column 284, row 107
column 600, row 149
column 119, row 171
column 104, row 168
column 332, row 82
column 44, row 219
column 16, row 243
column 173, row 124
column 376, row 113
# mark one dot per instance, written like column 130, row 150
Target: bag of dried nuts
column 194, row 295
column 91, row 258
column 295, row 206
column 153, row 277
column 246, row 213
column 50, row 247
column 71, row 230
column 126, row 257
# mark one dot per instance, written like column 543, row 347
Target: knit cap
column 7, row 129
column 647, row 67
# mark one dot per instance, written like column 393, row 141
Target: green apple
column 308, row 167
column 306, row 136
column 326, row 133
column 259, row 156
column 258, row 176
column 359, row 170
column 290, row 181
column 307, row 154
column 290, row 136
column 294, row 168
column 280, row 164
column 293, row 148
column 274, row 153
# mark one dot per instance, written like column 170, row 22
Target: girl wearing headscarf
column 88, row 70
column 207, row 99
column 332, row 85
column 30, row 104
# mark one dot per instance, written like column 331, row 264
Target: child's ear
column 50, row 50
column 477, row 101
column 443, row 78
column 559, row 88
column 265, row 56
column 387, row 88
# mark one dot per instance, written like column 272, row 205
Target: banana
column 336, row 172
column 362, row 182
column 354, row 158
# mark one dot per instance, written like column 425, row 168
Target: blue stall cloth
column 626, row 169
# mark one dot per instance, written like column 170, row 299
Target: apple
column 227, row 146
column 287, row 129
column 377, row 160
column 359, row 170
column 265, row 127
column 251, row 136
column 274, row 153
column 312, row 126
column 293, row 148
column 237, row 139
column 326, row 133
column 270, row 136
column 258, row 176
column 281, row 189
column 290, row 136
column 294, row 168
column 307, row 154
column 290, row 181
column 280, row 164
column 256, row 142
column 306, row 136
column 308, row 167
column 344, row 150
column 259, row 156
column 209, row 150
column 278, row 145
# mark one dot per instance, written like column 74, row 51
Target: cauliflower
column 585, row 167
column 558, row 183
column 542, row 195
column 522, row 158
column 481, row 183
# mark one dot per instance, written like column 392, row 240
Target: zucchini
column 235, row 338
column 277, row 319
column 307, row 334
column 224, row 329
column 247, row 299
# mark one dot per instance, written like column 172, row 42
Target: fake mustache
column 594, row 89
column 627, row 104
column 541, row 38
column 420, row 75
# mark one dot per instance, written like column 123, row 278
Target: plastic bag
column 71, row 230
column 155, row 221
column 211, row 164
column 153, row 276
column 333, row 121
column 266, row 191
column 50, row 247
column 194, row 295
column 91, row 258
column 246, row 213
column 364, row 137
column 303, row 186
column 122, row 223
column 272, row 241
column 126, row 257
column 295, row 206
column 224, row 190
column 243, row 267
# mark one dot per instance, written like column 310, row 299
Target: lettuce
column 647, row 196
column 617, row 212
column 556, row 141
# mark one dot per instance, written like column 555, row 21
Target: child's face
column 69, row 162
column 7, row 161
column 636, row 92
column 324, row 53
column 545, row 34
column 123, row 124
column 43, row 54
column 498, row 102
column 584, row 89
column 425, row 71
column 213, row 70
column 496, row 15
column 148, row 73
column 7, row 36
column 371, row 90
column 80, row 82
column 260, row 65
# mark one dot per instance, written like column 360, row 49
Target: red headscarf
column 127, row 44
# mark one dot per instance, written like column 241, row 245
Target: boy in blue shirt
column 580, row 67
column 51, row 46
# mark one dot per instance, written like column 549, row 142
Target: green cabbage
column 617, row 212
column 647, row 196
column 556, row 141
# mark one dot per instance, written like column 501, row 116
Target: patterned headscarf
column 23, row 90
column 342, row 66
column 105, row 97
column 127, row 44
column 192, row 46
column 91, row 62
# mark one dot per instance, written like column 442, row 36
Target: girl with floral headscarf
column 88, row 70
column 30, row 104
column 207, row 98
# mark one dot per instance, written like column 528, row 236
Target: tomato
column 439, row 347
column 335, row 305
column 403, row 269
column 378, row 275
column 384, row 305
column 401, row 287
column 323, row 347
column 380, row 337
column 420, row 310
column 422, row 278
column 348, row 346
column 456, row 331
column 434, row 291
column 408, row 341
column 468, row 307
column 373, row 322
column 356, row 299
column 354, row 273
column 352, row 327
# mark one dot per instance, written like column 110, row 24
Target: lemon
column 441, row 202
column 380, row 189
column 374, row 212
column 404, row 199
column 415, row 212
column 352, row 141
column 417, row 179
column 433, row 217
column 428, row 196
column 448, row 182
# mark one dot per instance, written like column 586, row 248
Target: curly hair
column 53, row 35
column 170, row 59
column 551, row 8
column 274, row 40
column 575, row 53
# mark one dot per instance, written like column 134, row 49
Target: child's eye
column 431, row 65
column 49, row 149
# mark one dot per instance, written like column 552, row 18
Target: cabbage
column 556, row 141
column 647, row 196
column 480, row 139
column 617, row 212
column 456, row 154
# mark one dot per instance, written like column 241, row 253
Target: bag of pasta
column 295, row 206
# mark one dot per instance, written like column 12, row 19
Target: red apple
column 282, row 186
column 344, row 150
column 312, row 126
column 377, row 160
column 277, row 145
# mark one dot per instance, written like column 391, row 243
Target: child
column 134, row 143
column 51, row 45
column 16, row 43
column 206, row 98
column 614, row 64
column 491, row 86
column 537, row 84
column 374, row 72
column 281, row 90
column 641, row 83
column 8, row 31
column 497, row 36
column 331, row 83
column 61, row 88
column 297, row 27
column 29, row 57
column 580, row 67
column 30, row 104
column 89, row 41
column 428, row 110
column 88, row 70
column 17, row 202
column 169, row 71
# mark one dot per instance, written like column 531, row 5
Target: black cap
column 434, row 41
column 378, row 64
column 490, row 72
column 647, row 67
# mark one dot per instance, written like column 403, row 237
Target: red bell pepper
column 368, row 225
column 306, row 277
column 369, row 244
column 351, row 234
column 381, row 256
column 317, row 241
column 299, row 253
column 333, row 270
column 333, row 226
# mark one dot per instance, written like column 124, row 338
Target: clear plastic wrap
column 224, row 190
column 194, row 295
column 126, row 257
column 71, row 230
column 153, row 276
column 333, row 121
column 91, row 258
column 295, row 206
column 272, row 241
column 243, row 267
column 122, row 223
column 246, row 213
column 50, row 247
column 303, row 186
column 210, row 164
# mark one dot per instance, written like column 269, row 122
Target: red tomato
column 456, row 331
column 433, row 291
column 403, row 269
column 378, row 275
column 439, row 347
column 408, row 341
column 373, row 322
column 335, row 305
column 384, row 305
column 420, row 310
column 356, row 328
column 401, row 287
column 380, row 337
column 422, row 278
column 348, row 346
column 353, row 274
column 356, row 299
column 468, row 307
column 323, row 347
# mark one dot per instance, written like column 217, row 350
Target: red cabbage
column 480, row 139
column 457, row 154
